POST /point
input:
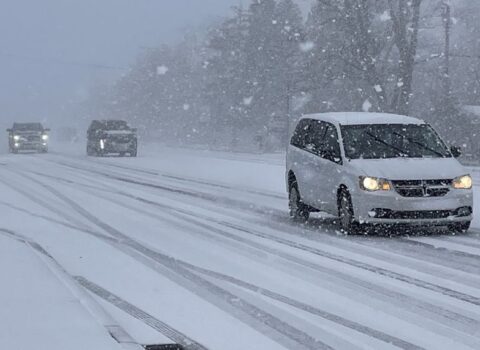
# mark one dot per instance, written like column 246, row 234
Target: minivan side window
column 331, row 147
column 300, row 136
column 317, row 136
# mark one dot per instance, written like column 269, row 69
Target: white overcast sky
column 39, row 37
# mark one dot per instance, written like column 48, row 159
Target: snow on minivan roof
column 363, row 118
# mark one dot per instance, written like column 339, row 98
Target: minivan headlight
column 16, row 138
column 44, row 137
column 368, row 183
column 463, row 182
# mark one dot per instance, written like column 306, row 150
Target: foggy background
column 53, row 51
column 235, row 75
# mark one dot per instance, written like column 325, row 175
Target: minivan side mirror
column 46, row 130
column 331, row 156
column 456, row 151
column 9, row 130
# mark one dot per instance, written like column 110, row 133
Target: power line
column 57, row 61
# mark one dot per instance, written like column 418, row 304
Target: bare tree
column 380, row 40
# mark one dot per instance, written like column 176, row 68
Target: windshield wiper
column 419, row 144
column 401, row 152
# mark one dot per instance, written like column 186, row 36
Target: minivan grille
column 422, row 188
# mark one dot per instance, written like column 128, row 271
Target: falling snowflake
column 400, row 84
column 162, row 70
column 385, row 16
column 366, row 106
column 378, row 88
column 247, row 101
column 307, row 46
column 186, row 107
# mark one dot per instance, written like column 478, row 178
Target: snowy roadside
column 56, row 319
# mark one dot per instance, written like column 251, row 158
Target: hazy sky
column 49, row 49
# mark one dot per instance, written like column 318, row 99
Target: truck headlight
column 462, row 182
column 102, row 144
column 45, row 137
column 372, row 184
column 16, row 138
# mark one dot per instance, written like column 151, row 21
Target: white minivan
column 371, row 169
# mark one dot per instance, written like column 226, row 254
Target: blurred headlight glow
column 463, row 182
column 45, row 137
column 16, row 138
column 368, row 183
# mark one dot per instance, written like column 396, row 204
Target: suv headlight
column 16, row 137
column 44, row 137
column 462, row 182
column 373, row 184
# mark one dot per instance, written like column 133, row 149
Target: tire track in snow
column 453, row 316
column 240, row 204
column 176, row 190
column 469, row 261
column 352, row 262
column 471, row 250
column 187, row 180
column 161, row 327
column 42, row 203
column 305, row 307
column 365, row 266
column 448, row 316
column 303, row 340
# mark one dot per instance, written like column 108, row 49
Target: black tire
column 299, row 212
column 133, row 152
column 460, row 227
column 90, row 151
column 346, row 215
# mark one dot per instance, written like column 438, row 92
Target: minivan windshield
column 380, row 141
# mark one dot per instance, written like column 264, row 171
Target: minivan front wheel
column 298, row 211
column 345, row 213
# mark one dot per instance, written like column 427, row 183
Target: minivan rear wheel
column 298, row 211
column 346, row 215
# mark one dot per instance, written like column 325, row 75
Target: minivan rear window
column 379, row 141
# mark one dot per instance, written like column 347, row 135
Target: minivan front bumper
column 391, row 208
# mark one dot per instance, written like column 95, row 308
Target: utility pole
column 447, row 22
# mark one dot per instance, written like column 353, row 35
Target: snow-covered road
column 197, row 247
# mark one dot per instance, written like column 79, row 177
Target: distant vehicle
column 28, row 137
column 111, row 137
column 373, row 169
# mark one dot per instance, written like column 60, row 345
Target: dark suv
column 111, row 136
column 28, row 137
